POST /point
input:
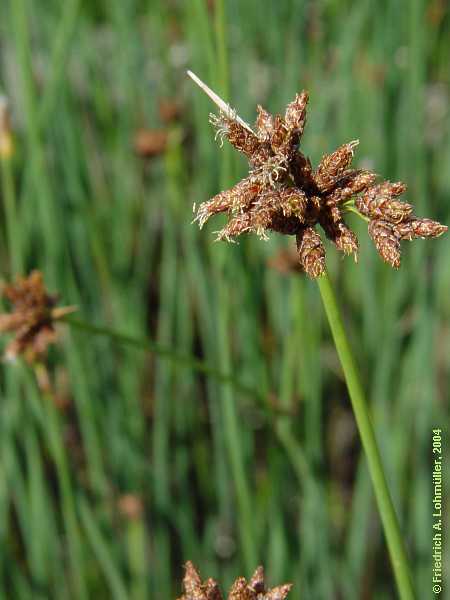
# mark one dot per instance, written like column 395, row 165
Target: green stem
column 387, row 512
column 163, row 352
column 12, row 223
column 352, row 209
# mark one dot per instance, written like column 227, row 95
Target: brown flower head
column 195, row 589
column 32, row 317
column 284, row 193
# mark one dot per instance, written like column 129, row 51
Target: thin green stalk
column 12, row 223
column 387, row 512
column 162, row 352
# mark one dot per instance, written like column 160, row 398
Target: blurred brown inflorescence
column 284, row 193
column 195, row 589
column 32, row 317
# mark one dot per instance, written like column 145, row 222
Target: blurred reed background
column 141, row 460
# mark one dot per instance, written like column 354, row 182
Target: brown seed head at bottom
column 257, row 580
column 192, row 584
column 278, row 593
column 255, row 589
column 311, row 252
column 386, row 241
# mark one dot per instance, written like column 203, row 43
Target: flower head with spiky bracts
column 255, row 589
column 32, row 317
column 284, row 193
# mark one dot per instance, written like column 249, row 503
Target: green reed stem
column 363, row 420
column 12, row 224
column 163, row 352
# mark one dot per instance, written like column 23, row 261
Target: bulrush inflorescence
column 32, row 317
column 284, row 193
column 195, row 589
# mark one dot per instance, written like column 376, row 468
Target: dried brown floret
column 386, row 241
column 263, row 124
column 32, row 318
column 282, row 192
column 301, row 171
column 311, row 252
column 241, row 223
column 333, row 167
column 353, row 183
column 420, row 228
column 256, row 583
column 295, row 115
column 233, row 200
column 342, row 236
column 378, row 202
column 278, row 134
column 242, row 139
column 194, row 589
column 292, row 202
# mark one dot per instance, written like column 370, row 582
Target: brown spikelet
column 242, row 139
column 32, row 317
column 379, row 202
column 332, row 213
column 284, row 194
column 278, row 134
column 194, row 589
column 295, row 115
column 241, row 223
column 386, row 241
column 240, row 590
column 290, row 201
column 333, row 166
column 278, row 593
column 233, row 200
column 263, row 124
column 302, row 172
column 420, row 228
column 293, row 202
column 285, row 225
column 342, row 236
column 311, row 252
column 257, row 581
column 353, row 183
